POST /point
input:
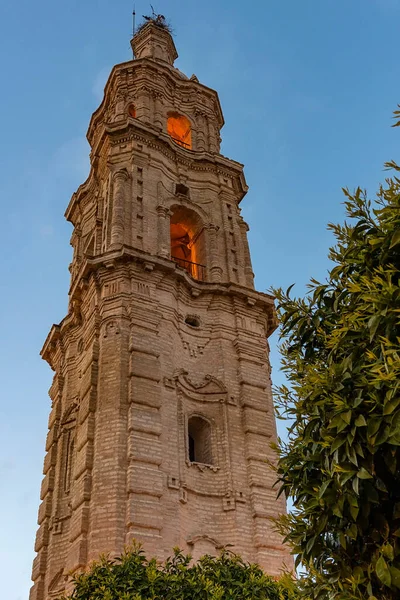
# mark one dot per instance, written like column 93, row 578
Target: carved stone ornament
column 111, row 328
column 209, row 389
column 198, row 538
column 70, row 414
column 202, row 467
column 57, row 584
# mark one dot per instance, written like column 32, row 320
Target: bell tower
column 161, row 411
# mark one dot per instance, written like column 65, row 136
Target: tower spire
column 153, row 39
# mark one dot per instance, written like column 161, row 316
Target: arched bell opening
column 199, row 441
column 180, row 129
column 187, row 242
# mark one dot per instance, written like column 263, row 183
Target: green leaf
column 339, row 441
column 395, row 575
column 373, row 426
column 363, row 474
column 391, row 406
column 373, row 325
column 354, row 510
column 360, row 421
column 346, row 417
column 387, row 550
column 382, row 571
column 396, row 511
column 395, row 239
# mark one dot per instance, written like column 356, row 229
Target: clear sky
column 307, row 89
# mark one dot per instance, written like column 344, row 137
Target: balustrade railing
column 196, row 270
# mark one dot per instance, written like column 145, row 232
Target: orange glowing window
column 132, row 111
column 187, row 242
column 181, row 244
column 180, row 130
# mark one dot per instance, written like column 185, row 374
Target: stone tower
column 161, row 418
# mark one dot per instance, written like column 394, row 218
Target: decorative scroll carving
column 209, row 389
column 206, row 538
column 203, row 467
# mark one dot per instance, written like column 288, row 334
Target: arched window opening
column 199, row 441
column 187, row 242
column 179, row 128
column 132, row 111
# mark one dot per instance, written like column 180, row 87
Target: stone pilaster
column 244, row 228
column 47, row 506
column 164, row 243
column 144, row 515
column 212, row 141
column 158, row 111
column 259, row 431
column 80, row 501
column 108, row 496
column 201, row 145
column 214, row 254
column 120, row 180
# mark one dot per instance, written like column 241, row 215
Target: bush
column 133, row 577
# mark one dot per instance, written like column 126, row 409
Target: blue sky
column 307, row 89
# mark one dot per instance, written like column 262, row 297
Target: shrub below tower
column 133, row 577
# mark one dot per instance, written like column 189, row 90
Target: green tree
column 341, row 357
column 133, row 577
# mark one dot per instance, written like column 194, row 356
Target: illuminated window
column 199, row 441
column 179, row 129
column 187, row 242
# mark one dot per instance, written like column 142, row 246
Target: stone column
column 143, row 104
column 158, row 116
column 118, row 209
column 214, row 263
column 244, row 228
column 120, row 105
column 200, row 137
column 164, row 242
column 212, row 142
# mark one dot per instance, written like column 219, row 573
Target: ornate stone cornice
column 128, row 255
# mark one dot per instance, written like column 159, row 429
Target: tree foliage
column 133, row 577
column 341, row 356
